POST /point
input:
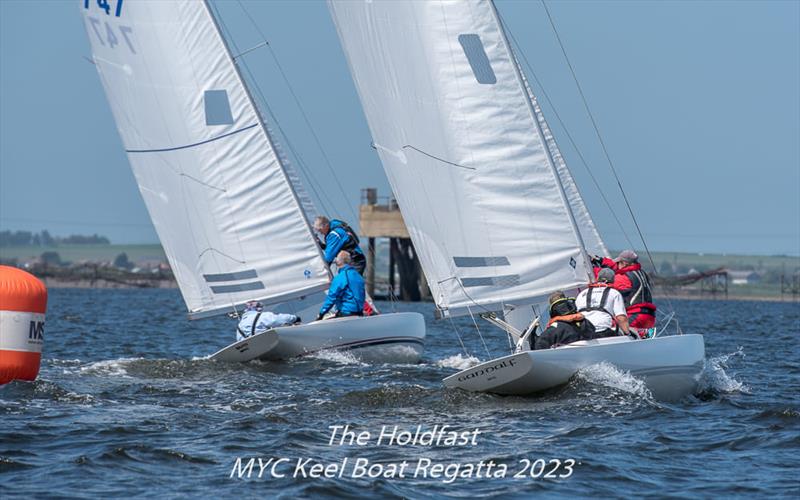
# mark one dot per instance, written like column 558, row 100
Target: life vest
column 642, row 293
column 642, row 308
column 603, row 299
column 252, row 327
column 351, row 240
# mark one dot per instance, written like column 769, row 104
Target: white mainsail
column 465, row 150
column 591, row 236
column 221, row 201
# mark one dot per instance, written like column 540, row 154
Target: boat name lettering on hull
column 488, row 370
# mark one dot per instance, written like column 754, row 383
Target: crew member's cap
column 627, row 256
column 606, row 275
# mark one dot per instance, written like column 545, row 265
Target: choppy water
column 126, row 406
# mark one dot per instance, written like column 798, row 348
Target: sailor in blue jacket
column 339, row 236
column 346, row 291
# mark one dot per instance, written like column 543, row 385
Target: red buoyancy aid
column 642, row 316
column 643, row 308
column 621, row 279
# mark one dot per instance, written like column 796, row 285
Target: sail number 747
column 105, row 5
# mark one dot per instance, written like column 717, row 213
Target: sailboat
column 491, row 207
column 231, row 214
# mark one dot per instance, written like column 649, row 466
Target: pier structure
column 790, row 286
column 713, row 283
column 384, row 220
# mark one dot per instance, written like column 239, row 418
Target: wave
column 339, row 357
column 117, row 367
column 608, row 375
column 459, row 362
column 145, row 453
column 715, row 380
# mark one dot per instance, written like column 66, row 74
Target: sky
column 698, row 104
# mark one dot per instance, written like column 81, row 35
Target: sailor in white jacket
column 255, row 320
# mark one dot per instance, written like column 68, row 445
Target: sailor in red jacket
column 634, row 285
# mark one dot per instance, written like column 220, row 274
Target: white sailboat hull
column 385, row 338
column 670, row 366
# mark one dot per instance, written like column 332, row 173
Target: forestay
column 230, row 223
column 466, row 156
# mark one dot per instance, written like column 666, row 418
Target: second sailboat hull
column 385, row 338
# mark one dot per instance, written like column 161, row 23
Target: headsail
column 219, row 197
column 463, row 150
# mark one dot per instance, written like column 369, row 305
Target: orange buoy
column 23, row 300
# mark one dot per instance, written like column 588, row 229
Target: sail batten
column 441, row 90
column 224, row 207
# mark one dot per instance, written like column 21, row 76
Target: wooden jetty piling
column 378, row 220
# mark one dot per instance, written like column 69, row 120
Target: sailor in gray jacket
column 255, row 320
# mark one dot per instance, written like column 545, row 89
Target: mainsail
column 221, row 201
column 493, row 213
column 591, row 236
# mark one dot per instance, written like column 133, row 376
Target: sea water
column 128, row 405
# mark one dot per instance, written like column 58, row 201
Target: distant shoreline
column 740, row 298
column 104, row 284
column 167, row 284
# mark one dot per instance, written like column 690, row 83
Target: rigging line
column 566, row 131
column 458, row 335
column 603, row 145
column 458, row 280
column 300, row 161
column 479, row 332
column 273, row 118
column 302, row 110
column 326, row 203
column 219, row 26
column 599, row 136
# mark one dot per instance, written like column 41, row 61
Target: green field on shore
column 705, row 261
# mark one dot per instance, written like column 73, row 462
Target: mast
column 550, row 160
column 264, row 129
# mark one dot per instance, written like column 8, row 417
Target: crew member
column 602, row 305
column 634, row 285
column 566, row 324
column 340, row 236
column 346, row 291
column 255, row 320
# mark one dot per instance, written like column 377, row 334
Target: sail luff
column 591, row 236
column 265, row 130
column 550, row 160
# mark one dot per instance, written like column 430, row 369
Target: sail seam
column 162, row 150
